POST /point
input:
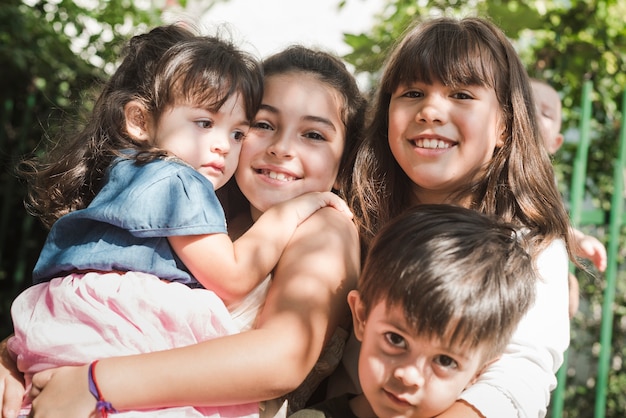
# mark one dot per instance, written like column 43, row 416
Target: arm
column 519, row 384
column 11, row 383
column 305, row 303
column 232, row 270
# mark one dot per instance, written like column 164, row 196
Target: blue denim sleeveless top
column 125, row 228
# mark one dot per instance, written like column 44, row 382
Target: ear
column 481, row 370
column 358, row 313
column 137, row 121
column 555, row 144
column 501, row 138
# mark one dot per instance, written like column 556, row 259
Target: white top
column 244, row 313
column 519, row 384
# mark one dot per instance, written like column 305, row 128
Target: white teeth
column 279, row 176
column 432, row 143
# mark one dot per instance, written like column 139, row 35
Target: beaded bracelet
column 102, row 406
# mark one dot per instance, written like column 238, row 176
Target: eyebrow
column 310, row 118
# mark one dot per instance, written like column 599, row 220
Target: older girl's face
column 442, row 136
column 295, row 143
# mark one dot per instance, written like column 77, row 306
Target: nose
column 431, row 111
column 281, row 145
column 220, row 143
column 411, row 375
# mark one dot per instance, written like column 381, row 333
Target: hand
column 305, row 205
column 592, row 249
column 62, row 392
column 11, row 384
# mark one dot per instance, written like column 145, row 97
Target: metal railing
column 616, row 221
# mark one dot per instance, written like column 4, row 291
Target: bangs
column 450, row 54
column 207, row 89
column 459, row 320
column 204, row 76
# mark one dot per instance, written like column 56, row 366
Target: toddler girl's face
column 295, row 143
column 441, row 136
column 208, row 141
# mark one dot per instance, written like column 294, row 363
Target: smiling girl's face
column 295, row 143
column 441, row 136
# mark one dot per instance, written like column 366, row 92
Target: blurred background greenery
column 55, row 53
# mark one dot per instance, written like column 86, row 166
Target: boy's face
column 406, row 375
column 548, row 105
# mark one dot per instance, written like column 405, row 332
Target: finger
column 38, row 382
column 11, row 399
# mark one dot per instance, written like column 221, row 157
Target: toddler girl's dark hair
column 518, row 183
column 170, row 65
column 459, row 275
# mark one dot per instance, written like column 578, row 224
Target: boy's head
column 548, row 105
column 442, row 290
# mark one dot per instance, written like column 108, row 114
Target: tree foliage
column 564, row 43
column 52, row 52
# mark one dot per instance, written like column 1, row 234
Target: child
column 454, row 122
column 118, row 273
column 310, row 118
column 549, row 114
column 456, row 284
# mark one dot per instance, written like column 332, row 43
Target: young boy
column 442, row 290
column 549, row 117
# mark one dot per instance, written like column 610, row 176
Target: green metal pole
column 577, row 192
column 615, row 224
column 579, row 175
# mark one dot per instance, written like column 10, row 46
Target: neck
column 255, row 214
column 239, row 225
column 361, row 407
column 433, row 197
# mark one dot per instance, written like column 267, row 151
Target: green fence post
column 615, row 224
column 577, row 191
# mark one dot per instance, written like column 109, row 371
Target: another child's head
column 442, row 290
column 549, row 116
column 311, row 117
column 454, row 122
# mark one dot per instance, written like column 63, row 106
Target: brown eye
column 395, row 339
column 446, row 361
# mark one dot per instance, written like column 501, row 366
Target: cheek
column 399, row 118
column 233, row 160
column 322, row 168
column 373, row 365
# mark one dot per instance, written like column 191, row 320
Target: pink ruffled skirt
column 79, row 318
